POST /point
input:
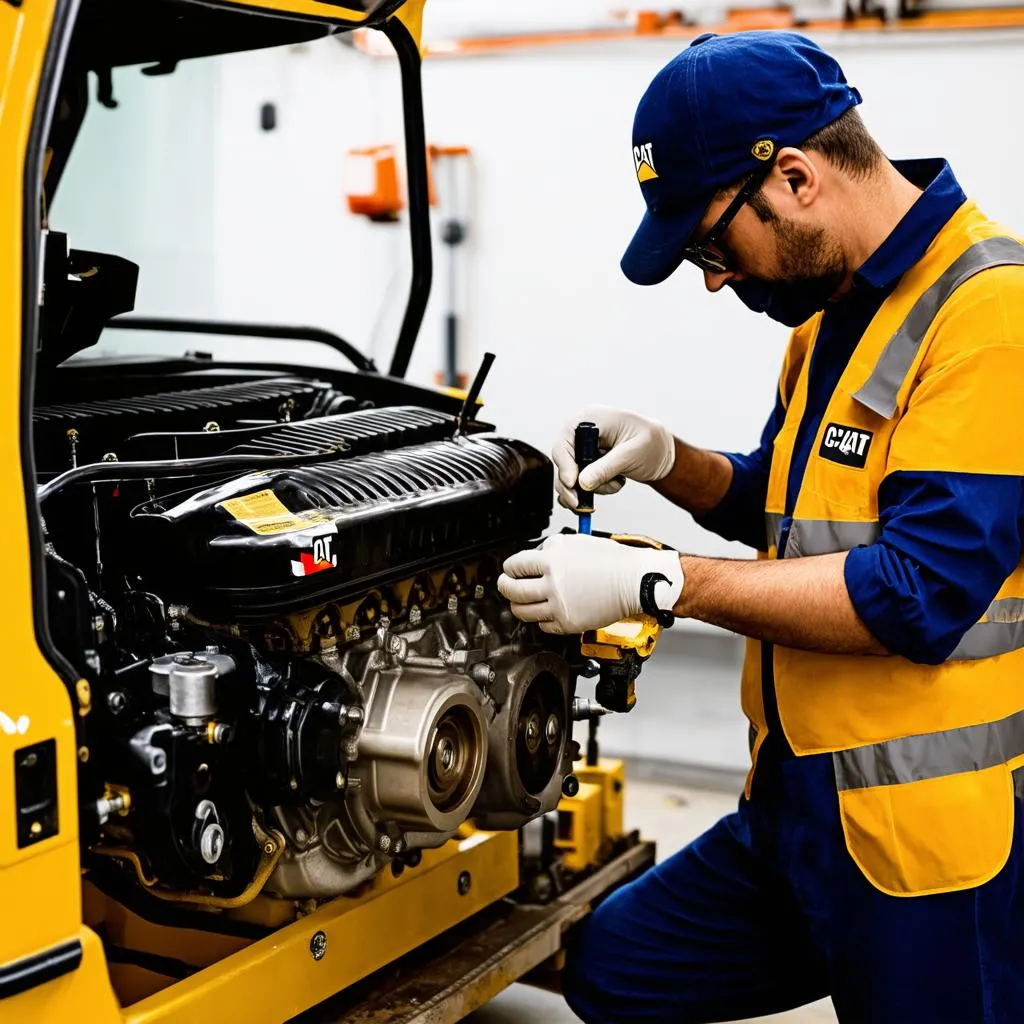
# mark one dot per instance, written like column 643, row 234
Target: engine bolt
column 453, row 603
column 300, row 836
column 570, row 786
column 482, row 674
column 532, row 729
column 116, row 701
column 551, row 730
column 83, row 691
column 398, row 647
column 478, row 592
column 318, row 945
column 339, row 780
column 465, row 881
column 269, row 847
column 415, row 616
column 384, row 842
column 446, row 754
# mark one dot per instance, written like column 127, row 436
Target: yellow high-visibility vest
column 923, row 754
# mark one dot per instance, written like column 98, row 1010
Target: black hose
column 114, row 471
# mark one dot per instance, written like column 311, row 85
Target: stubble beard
column 809, row 258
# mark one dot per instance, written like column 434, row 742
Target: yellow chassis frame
column 342, row 942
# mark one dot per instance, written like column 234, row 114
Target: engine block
column 298, row 675
column 460, row 713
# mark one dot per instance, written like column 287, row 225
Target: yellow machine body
column 594, row 817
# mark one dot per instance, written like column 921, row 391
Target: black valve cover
column 271, row 542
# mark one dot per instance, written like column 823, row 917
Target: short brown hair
column 845, row 143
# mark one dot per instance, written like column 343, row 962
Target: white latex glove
column 575, row 582
column 634, row 449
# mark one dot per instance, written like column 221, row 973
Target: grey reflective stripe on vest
column 931, row 755
column 1001, row 633
column 825, row 536
column 773, row 527
column 879, row 391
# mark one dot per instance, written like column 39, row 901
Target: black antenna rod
column 468, row 411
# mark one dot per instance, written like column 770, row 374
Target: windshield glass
column 225, row 182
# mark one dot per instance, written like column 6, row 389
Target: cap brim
column 657, row 247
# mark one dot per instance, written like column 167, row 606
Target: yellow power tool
column 617, row 652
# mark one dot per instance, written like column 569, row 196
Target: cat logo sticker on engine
column 264, row 513
column 321, row 557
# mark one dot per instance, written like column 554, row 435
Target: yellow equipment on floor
column 271, row 745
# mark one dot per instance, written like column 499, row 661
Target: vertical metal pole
column 419, row 196
column 453, row 238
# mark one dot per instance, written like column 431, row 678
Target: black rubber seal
column 21, row 975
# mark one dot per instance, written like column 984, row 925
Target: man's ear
column 799, row 173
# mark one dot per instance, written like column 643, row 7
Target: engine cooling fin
column 356, row 432
column 99, row 426
column 365, row 430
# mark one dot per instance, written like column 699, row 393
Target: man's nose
column 715, row 281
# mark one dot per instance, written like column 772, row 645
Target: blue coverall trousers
column 767, row 911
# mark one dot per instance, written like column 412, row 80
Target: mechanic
column 876, row 851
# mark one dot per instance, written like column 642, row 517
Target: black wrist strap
column 664, row 617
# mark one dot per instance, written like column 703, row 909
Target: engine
column 281, row 602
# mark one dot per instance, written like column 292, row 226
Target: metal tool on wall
column 454, row 203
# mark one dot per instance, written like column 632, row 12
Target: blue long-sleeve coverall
column 767, row 910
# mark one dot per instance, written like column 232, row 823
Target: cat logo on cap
column 644, row 163
column 763, row 149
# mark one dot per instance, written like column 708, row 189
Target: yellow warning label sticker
column 264, row 513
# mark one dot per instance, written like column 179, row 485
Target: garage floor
column 671, row 815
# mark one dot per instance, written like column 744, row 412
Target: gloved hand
column 574, row 582
column 635, row 449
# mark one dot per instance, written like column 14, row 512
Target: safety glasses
column 719, row 260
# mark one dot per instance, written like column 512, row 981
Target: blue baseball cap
column 711, row 117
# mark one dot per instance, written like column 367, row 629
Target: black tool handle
column 587, row 436
column 648, row 605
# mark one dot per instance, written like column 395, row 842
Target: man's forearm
column 699, row 479
column 801, row 603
